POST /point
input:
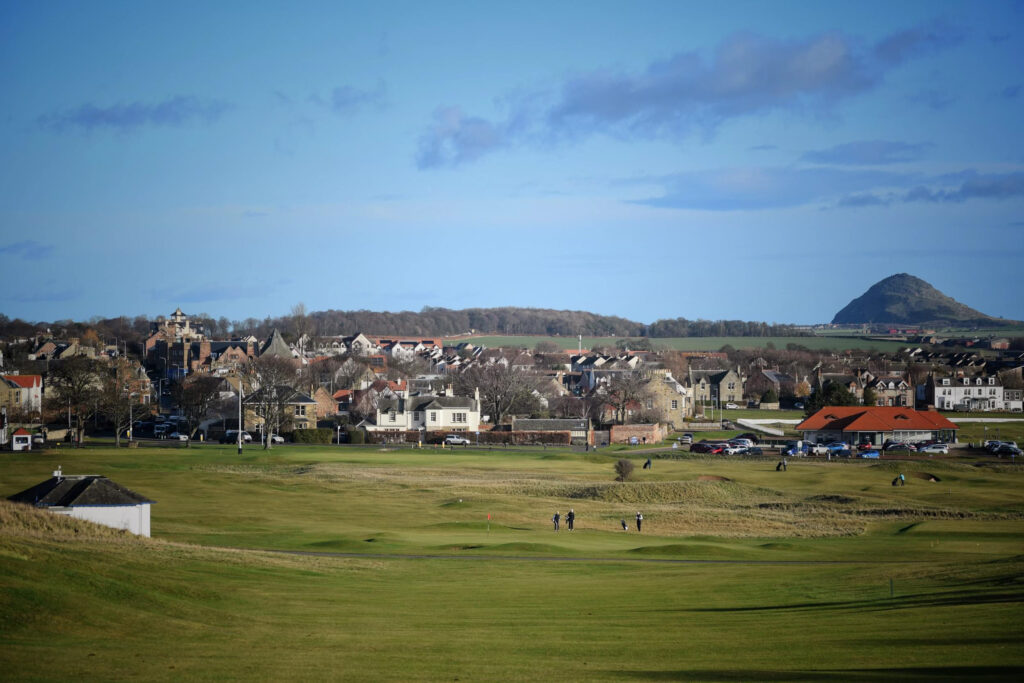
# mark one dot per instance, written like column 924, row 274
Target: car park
column 456, row 440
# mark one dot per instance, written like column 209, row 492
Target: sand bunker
column 927, row 476
column 711, row 477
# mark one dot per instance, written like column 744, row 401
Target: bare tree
column 198, row 394
column 273, row 378
column 627, row 392
column 116, row 400
column 503, row 391
column 78, row 386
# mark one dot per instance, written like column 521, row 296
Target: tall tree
column 503, row 391
column 78, row 387
column 626, row 392
column 197, row 394
column 116, row 401
column 272, row 377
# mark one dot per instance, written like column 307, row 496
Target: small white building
column 91, row 497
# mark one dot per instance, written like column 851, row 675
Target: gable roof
column 874, row 419
column 25, row 381
column 78, row 490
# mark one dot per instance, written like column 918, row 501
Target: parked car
column 231, row 436
column 798, row 405
column 899, row 448
column 731, row 406
column 936, row 448
column 794, row 448
column 869, row 454
column 740, row 441
column 686, row 438
column 700, row 448
column 866, row 446
column 38, row 440
column 837, row 446
column 749, row 435
column 179, row 436
column 1008, row 449
column 456, row 440
column 733, row 449
column 276, row 438
column 817, row 449
column 752, row 450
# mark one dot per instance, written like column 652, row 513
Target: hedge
column 485, row 437
column 312, row 435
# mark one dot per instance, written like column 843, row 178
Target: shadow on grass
column 936, row 673
column 951, row 599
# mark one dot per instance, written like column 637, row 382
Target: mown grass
column 770, row 576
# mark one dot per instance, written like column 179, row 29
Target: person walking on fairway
column 570, row 518
column 639, row 521
column 784, row 465
column 555, row 520
column 625, row 527
column 903, row 480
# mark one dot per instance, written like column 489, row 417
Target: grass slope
column 773, row 576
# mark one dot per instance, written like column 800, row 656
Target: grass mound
column 712, row 477
column 927, row 476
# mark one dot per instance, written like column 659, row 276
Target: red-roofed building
column 876, row 425
column 21, row 392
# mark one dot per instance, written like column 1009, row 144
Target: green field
column 830, row 343
column 385, row 567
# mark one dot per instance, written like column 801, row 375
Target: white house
column 90, row 497
column 965, row 393
column 428, row 413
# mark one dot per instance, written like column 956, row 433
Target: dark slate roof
column 426, row 403
column 552, row 425
column 76, row 490
column 276, row 346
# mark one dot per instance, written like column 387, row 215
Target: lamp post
column 239, row 415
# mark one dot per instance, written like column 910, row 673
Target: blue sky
column 742, row 160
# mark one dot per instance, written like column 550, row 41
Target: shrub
column 770, row 397
column 624, row 469
column 357, row 436
column 312, row 435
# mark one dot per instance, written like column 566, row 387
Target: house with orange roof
column 876, row 425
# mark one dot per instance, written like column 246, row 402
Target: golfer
column 639, row 521
column 570, row 518
column 555, row 519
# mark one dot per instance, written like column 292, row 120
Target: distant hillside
column 905, row 299
column 530, row 321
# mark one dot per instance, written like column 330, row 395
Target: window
column 675, row 404
column 416, row 416
column 458, row 417
column 650, row 404
column 300, row 411
column 433, row 416
column 732, row 385
column 391, row 416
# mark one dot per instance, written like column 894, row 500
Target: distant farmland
column 831, row 343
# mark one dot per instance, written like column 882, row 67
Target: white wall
column 133, row 518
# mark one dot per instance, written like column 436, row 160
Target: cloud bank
column 172, row 112
column 746, row 75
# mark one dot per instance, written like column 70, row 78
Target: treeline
column 681, row 327
column 534, row 321
column 429, row 322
